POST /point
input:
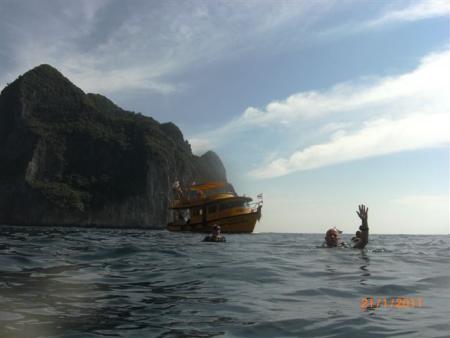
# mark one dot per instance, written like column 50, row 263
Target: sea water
column 75, row 282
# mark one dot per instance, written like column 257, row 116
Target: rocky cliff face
column 70, row 158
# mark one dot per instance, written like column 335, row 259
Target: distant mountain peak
column 44, row 67
column 44, row 72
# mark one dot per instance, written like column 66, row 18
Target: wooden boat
column 208, row 204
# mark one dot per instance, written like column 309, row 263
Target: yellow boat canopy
column 208, row 186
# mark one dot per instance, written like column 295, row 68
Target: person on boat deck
column 332, row 238
column 199, row 194
column 216, row 235
column 177, row 191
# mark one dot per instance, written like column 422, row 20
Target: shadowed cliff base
column 70, row 158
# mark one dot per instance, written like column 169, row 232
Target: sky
column 319, row 105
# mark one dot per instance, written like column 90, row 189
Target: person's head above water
column 216, row 235
column 332, row 237
column 216, row 230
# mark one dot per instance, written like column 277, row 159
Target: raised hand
column 363, row 213
column 364, row 236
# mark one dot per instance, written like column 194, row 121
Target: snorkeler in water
column 216, row 235
column 332, row 238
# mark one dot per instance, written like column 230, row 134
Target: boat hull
column 244, row 223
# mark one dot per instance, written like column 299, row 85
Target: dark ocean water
column 69, row 282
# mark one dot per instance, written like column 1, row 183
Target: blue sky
column 320, row 105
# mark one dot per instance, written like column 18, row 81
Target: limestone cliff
column 70, row 158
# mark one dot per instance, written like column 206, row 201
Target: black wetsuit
column 340, row 245
column 212, row 239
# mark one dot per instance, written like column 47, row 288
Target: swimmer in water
column 216, row 235
column 332, row 238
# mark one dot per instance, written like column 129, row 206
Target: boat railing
column 255, row 205
column 198, row 198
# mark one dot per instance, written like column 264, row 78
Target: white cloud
column 396, row 12
column 106, row 47
column 428, row 83
column 379, row 137
column 110, row 46
column 362, row 119
column 418, row 10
